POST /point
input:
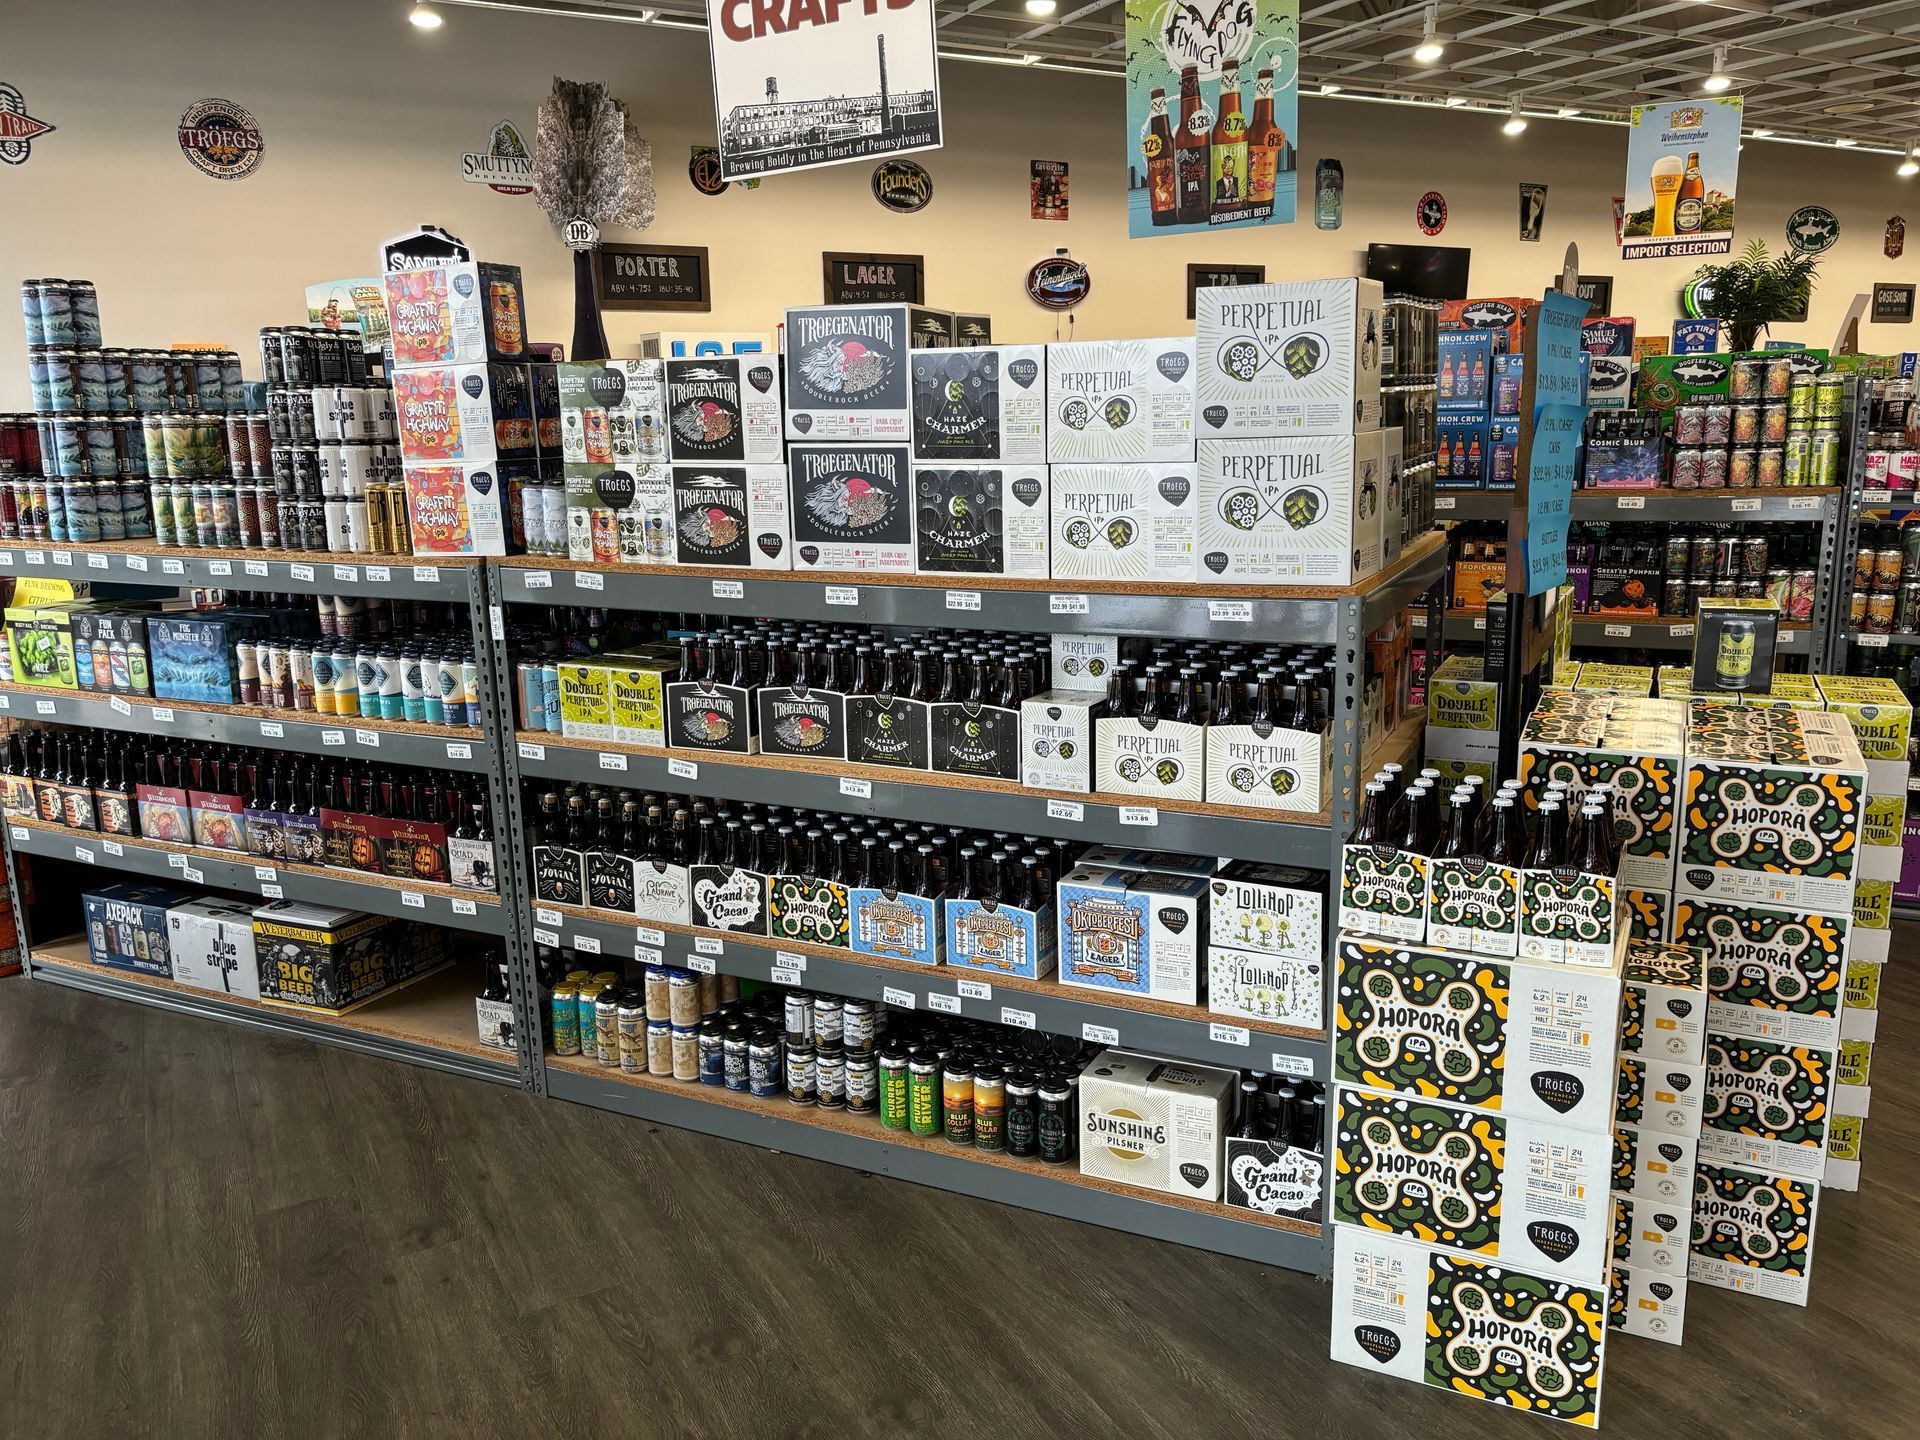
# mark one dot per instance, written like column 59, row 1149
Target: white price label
column 1619, row 632
column 1227, row 1034
column 589, row 943
column 178, row 862
column 1746, row 505
column 1683, row 632
column 379, row 574
column 39, row 557
column 65, row 557
column 83, row 853
column 787, row 960
column 367, row 737
column 258, row 567
column 163, row 714
column 652, row 935
column 1291, row 1065
column 300, row 572
column 459, row 750
column 333, row 737
column 709, row 945
column 963, row 600
column 465, row 907
column 588, row 580
column 1019, row 1019
column 857, row 789
column 348, row 573
column 1789, row 637
column 903, row 999
column 729, row 590
column 134, row 562
column 193, row 876
column 1234, row 612
column 1066, row 810
column 1631, row 502
column 273, row 730
column 532, row 750
column 1100, row 1034
column 610, row 761
column 220, row 567
column 945, row 1004
column 113, row 847
column 497, row 621
column 843, row 594
column 413, row 900
column 119, row 706
column 426, row 574
column 19, row 834
column 6, row 557
column 6, row 703
column 537, row 580
column 1068, row 605
column 273, row 892
column 700, row 964
column 647, row 955
column 546, row 937
column 43, row 707
column 546, row 916
column 974, row 990
column 683, row 769
column 96, row 562
column 1868, row 641
column 781, row 975
column 1803, row 502
column 1139, row 815
column 1479, row 622
column 265, row 872
column 1872, row 495
column 1444, row 502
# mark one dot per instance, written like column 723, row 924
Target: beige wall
column 365, row 121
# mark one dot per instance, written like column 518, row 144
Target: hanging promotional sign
column 1212, row 114
column 902, row 186
column 505, row 166
column 782, row 77
column 1047, row 190
column 1682, row 159
column 221, row 139
column 1058, row 282
column 1896, row 241
column 18, row 129
column 1533, row 209
column 343, row 304
column 1329, row 194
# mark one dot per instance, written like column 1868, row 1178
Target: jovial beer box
column 1300, row 510
column 317, row 957
column 984, row 520
column 1132, row 931
column 211, row 942
column 1649, row 1303
column 1535, row 1042
column 1771, row 974
column 724, row 408
column 1158, row 1124
column 457, row 509
column 127, row 926
column 846, row 373
column 1753, row 1231
column 988, row 402
column 851, row 508
column 1119, row 400
column 1123, row 522
column 456, row 314
column 1522, row 1192
column 613, row 412
column 1663, row 1003
column 1767, row 1106
column 1469, row 1327
column 732, row 515
column 1301, row 358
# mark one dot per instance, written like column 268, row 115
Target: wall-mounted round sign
column 903, row 186
column 221, row 139
column 1058, row 283
column 1430, row 213
column 704, row 170
column 1812, row 229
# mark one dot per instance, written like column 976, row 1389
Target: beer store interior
column 699, row 701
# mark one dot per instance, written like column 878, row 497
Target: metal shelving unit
column 130, row 562
column 1860, row 502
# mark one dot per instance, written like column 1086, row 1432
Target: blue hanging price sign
column 1550, row 471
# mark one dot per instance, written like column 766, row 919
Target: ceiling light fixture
column 1567, row 112
column 1330, row 89
column 1719, row 80
column 1031, row 59
column 425, row 17
column 1761, row 134
column 1910, row 166
column 1516, row 122
column 1846, row 142
column 1432, row 43
column 1042, row 7
column 1454, row 102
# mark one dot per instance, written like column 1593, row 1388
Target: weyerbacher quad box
column 1290, row 511
column 1113, row 400
column 984, row 403
column 1301, row 358
column 846, row 373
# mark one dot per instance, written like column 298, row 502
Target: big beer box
column 732, row 515
column 985, row 403
column 1302, row 510
column 1770, row 974
column 724, row 408
column 1767, row 1106
column 852, row 508
column 981, row 519
column 1301, row 358
column 1155, row 1123
column 1120, row 400
column 846, row 373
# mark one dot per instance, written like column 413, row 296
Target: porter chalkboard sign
column 874, row 279
column 1210, row 276
column 654, row 277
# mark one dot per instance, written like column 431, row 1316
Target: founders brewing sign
column 874, row 279
column 653, row 277
column 798, row 85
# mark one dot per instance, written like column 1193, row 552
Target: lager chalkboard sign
column 874, row 279
column 653, row 277
column 1892, row 304
column 1208, row 276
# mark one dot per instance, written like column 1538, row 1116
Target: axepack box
column 1290, row 511
column 1295, row 359
column 1120, row 400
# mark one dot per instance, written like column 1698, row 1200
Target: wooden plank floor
column 208, row 1232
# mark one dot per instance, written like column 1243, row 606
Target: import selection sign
column 801, row 85
column 1682, row 159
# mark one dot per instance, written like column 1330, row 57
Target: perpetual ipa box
column 1158, row 1124
column 1158, row 759
column 984, row 403
column 1290, row 511
column 982, row 520
column 1123, row 522
column 1056, row 740
column 1776, row 975
column 724, row 408
column 851, row 508
column 1266, row 767
column 1486, row 1331
column 1767, row 1106
column 1083, row 662
column 846, row 373
column 1120, row 400
column 1663, row 1003
column 1301, row 358
column 613, row 412
column 1753, row 1231
column 732, row 515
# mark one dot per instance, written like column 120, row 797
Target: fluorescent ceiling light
column 1910, row 166
column 1845, row 142
column 1454, row 102
column 1567, row 112
column 1760, row 134
column 1042, row 7
column 1329, row 89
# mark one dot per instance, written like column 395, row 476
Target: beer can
column 1823, row 462
column 30, row 311
column 399, row 522
column 239, row 446
column 1745, row 428
column 146, row 381
column 830, row 1075
column 1780, row 587
column 32, row 493
column 55, row 303
column 800, row 1072
column 1829, row 397
column 564, row 1011
column 379, row 537
column 246, row 515
column 269, row 505
column 9, row 507
column 1699, row 587
column 606, row 536
column 1772, row 466
column 106, row 503
column 270, row 362
column 1747, row 379
column 1888, row 562
column 202, row 492
column 1773, row 424
column 54, row 510
column 763, row 1065
column 103, row 451
column 259, row 445
column 300, row 418
column 280, row 416
column 346, row 680
column 1903, row 469
column 1743, row 469
column 300, row 676
column 359, row 532
column 209, row 381
column 1906, row 609
column 1713, row 469
column 249, row 659
column 1880, row 608
column 1779, row 377
column 1753, row 555
column 226, row 515
column 82, row 515
column 1716, row 424
column 1673, row 599
column 1874, row 464
column 303, row 471
column 90, row 380
column 1686, row 469
column 862, row 1082
column 734, row 1059
column 84, row 304
column 859, row 1025
column 1796, row 459
column 37, row 378
column 130, row 443
column 69, row 454
column 1689, row 424
column 313, row 525
column 180, row 501
column 329, row 353
column 1800, row 399
column 630, row 524
column 685, row 1043
column 324, row 418
column 297, row 366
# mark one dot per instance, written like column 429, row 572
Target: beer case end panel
column 1300, row 358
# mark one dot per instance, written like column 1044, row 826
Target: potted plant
column 1748, row 294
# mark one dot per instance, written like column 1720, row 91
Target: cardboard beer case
column 620, row 512
column 1637, row 746
column 1123, row 521
column 1155, row 1123
column 724, row 409
column 852, row 508
column 896, row 925
column 930, row 329
column 1651, row 1236
column 1056, row 739
column 1001, row 939
column 662, row 891
column 733, row 515
column 982, row 520
column 1383, row 892
column 460, row 314
column 1266, row 766
column 458, row 509
column 1651, row 1304
column 464, row 414
column 1268, row 910
column 613, row 412
column 1473, row 906
column 1771, row 974
column 211, row 946
column 609, row 880
column 1753, row 1231
column 889, row 730
column 1882, row 719
column 846, row 373
column 1082, row 662
column 1120, row 400
column 1846, row 1137
column 1300, row 510
column 637, row 697
column 127, row 926
column 1274, row 1178
column 803, row 720
column 1572, row 916
column 1652, row 1166
column 730, row 898
column 1650, row 915
column 1134, row 932
column 1299, row 358
column 1659, row 1097
column 969, row 739
column 707, row 715
column 1767, row 1106
column 982, row 403
column 1663, row 1003
column 1158, row 758
column 807, row 907
column 1254, row 985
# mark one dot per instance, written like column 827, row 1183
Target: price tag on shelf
column 1479, row 622
column 1445, row 502
column 1230, row 612
column 856, row 789
column 1019, row 1019
column 1291, row 1065
column 545, row 916
column 6, row 703
column 364, row 736
column 96, row 562
column 647, row 955
column 119, row 706
column 1803, row 502
column 701, row 964
column 178, row 862
column 193, row 876
column 379, row 574
column 1100, row 1034
column 1630, row 502
column 413, row 900
column 459, row 750
column 787, row 960
column 589, row 580
column 163, row 714
column 220, row 567
column 683, row 769
column 39, row 557
column 464, row 907
column 134, row 562
column 1067, row 605
column 709, row 945
column 273, row 730
column 1746, row 505
column 532, row 750
column 652, row 935
column 843, row 595
column 300, row 572
column 781, row 975
column 333, row 737
column 1683, row 632
column 113, row 847
column 963, row 600
column 589, row 944
column 497, row 621
column 265, row 872
column 1139, row 815
column 974, row 990
column 19, row 834
column 1872, row 495
column 1619, row 632
column 537, row 579
column 6, row 557
column 610, row 760
column 1066, row 810
column 348, row 573
column 84, row 854
column 43, row 707
column 729, row 590
column 1867, row 640
column 273, row 892
column 1789, row 637
column 546, row 937
column 258, row 567
column 945, row 1004
column 1228, row 1034
column 65, row 557
column 426, row 574
column 901, row 999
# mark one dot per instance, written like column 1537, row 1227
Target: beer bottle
column 1157, row 147
column 1305, row 712
column 1507, row 840
column 1186, row 699
column 963, row 875
column 1410, row 833
column 1597, row 854
column 1690, row 207
column 866, row 679
column 1150, row 695
column 1370, row 826
column 1227, row 173
column 1248, row 1126
column 1226, row 702
column 1540, row 854
column 1266, row 143
column 1120, row 693
column 1190, row 152
column 1458, row 843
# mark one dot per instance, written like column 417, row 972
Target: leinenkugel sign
column 798, row 84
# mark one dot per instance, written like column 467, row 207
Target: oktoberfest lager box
column 1529, row 1041
column 846, row 373
column 1123, row 522
column 1651, row 1166
column 732, row 515
column 1775, row 975
column 1649, row 1303
column 1120, row 400
column 1663, row 1003
column 1767, row 1106
column 1468, row 1326
column 984, row 403
column 1302, row 510
column 1658, row 1096
column 1523, row 1192
column 1000, row 939
column 1132, row 931
column 852, row 508
column 1301, row 358
column 983, row 520
column 1753, row 1231
column 724, row 408
column 1155, row 1123
column 896, row 925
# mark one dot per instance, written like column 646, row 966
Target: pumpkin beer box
column 1301, row 510
column 1120, row 400
column 1301, row 358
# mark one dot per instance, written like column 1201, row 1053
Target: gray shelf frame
column 1842, row 636
column 134, row 563
column 1652, row 504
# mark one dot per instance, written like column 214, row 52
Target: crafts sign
column 504, row 166
column 221, row 139
column 1430, row 213
column 18, row 129
column 1813, row 229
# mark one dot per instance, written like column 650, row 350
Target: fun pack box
column 724, row 409
column 1633, row 744
column 620, row 513
column 846, row 373
column 1753, row 1231
column 987, row 520
column 459, row 314
column 1266, row 767
column 731, row 898
column 732, row 515
column 464, row 414
column 1519, row 1192
column 1123, row 522
column 1651, row 1304
column 1775, row 975
column 1131, row 931
column 1767, row 1106
column 1486, row 1331
column 1663, row 1003
column 851, row 508
column 1534, row 1042
column 1120, row 400
column 1301, row 358
column 1301, row 510
column 1056, row 740
column 704, row 715
column 1158, row 1124
column 1652, row 1166
column 987, row 402
column 1158, row 758
column 1659, row 1096
column 456, row 509
column 802, row 720
column 212, row 948
column 614, row 412
column 1000, row 939
column 896, row 925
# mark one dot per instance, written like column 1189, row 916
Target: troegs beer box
column 620, row 513
column 460, row 314
column 1767, row 1106
column 1383, row 892
column 613, row 412
column 706, row 715
column 1056, row 740
column 1663, row 1003
column 1633, row 744
column 1650, row 1236
column 802, row 720
column 983, row 520
column 464, row 414
column 807, row 907
column 1264, row 959
column 984, row 403
column 1134, row 932
column 1266, row 766
column 1158, row 1124
column 457, row 509
column 1158, row 758
column 852, row 508
column 1000, row 939
column 1123, row 522
column 732, row 898
column 1120, row 400
column 1652, row 1166
column 1274, row 1178
column 978, row 740
column 724, row 409
column 1649, row 1303
column 846, row 373
column 1301, row 358
column 1771, row 974
column 896, row 925
column 1659, row 1096
column 733, row 515
column 1753, row 1232
column 1083, row 662
column 1292, row 511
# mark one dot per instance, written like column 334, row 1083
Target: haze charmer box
column 984, row 403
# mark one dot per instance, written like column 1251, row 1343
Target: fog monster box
column 1123, row 522
column 896, row 925
column 702, row 715
column 1767, row 1106
column 1158, row 1124
column 1530, row 1041
column 1649, row 1303
column 1753, row 1231
column 1774, row 975
column 852, row 508
column 1290, row 511
column 846, row 373
column 802, row 720
column 724, row 408
column 1120, row 400
column 984, row 403
column 1469, row 1327
column 1274, row 1179
column 1056, row 740
column 1653, row 1167
column 1663, row 1003
column 728, row 897
column 1301, row 358
column 1659, row 1096
column 1000, row 939
column 734, row 515
column 613, row 412
column 984, row 520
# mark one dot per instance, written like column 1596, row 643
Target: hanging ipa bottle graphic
column 1227, row 170
column 1157, row 149
column 1191, row 149
column 1266, row 143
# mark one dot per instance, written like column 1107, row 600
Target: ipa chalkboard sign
column 1210, row 276
column 654, row 277
column 874, row 279
column 1892, row 304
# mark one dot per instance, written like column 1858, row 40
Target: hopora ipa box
column 1753, row 1231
